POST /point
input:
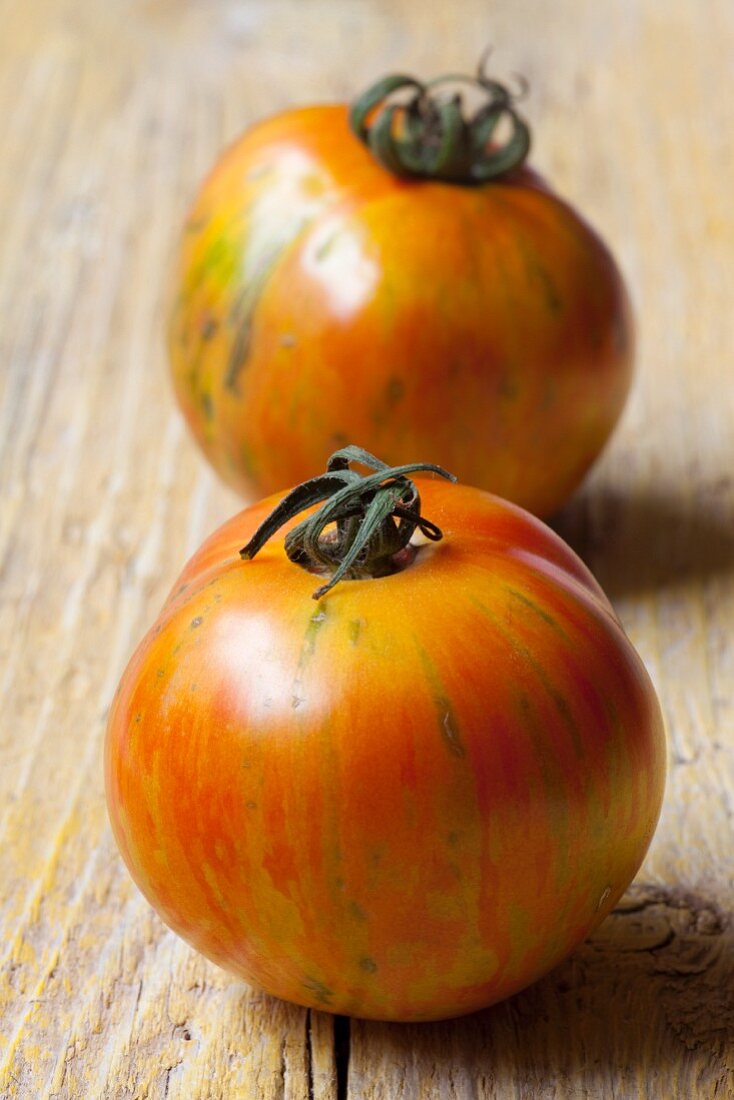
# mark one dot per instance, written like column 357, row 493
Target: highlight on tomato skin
column 401, row 795
column 341, row 276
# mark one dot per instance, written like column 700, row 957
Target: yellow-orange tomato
column 320, row 298
column 404, row 801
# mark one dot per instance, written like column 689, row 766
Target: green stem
column 415, row 129
column 375, row 517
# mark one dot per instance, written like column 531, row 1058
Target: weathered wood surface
column 109, row 114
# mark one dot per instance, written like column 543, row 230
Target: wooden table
column 110, row 112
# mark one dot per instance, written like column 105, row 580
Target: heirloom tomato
column 415, row 270
column 406, row 799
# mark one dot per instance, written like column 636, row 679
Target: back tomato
column 320, row 298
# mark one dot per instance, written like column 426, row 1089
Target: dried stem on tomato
column 374, row 517
column 416, row 129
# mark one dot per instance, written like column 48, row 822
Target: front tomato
column 403, row 801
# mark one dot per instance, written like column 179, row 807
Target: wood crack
column 342, row 1046
column 309, row 1056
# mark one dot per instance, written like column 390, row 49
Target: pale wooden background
column 110, row 111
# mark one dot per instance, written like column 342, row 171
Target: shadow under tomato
column 652, row 985
column 642, row 542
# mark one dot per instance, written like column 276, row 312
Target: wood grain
column 109, row 115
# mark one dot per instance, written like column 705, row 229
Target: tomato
column 409, row 798
column 484, row 323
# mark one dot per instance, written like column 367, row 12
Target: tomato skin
column 405, row 801
column 320, row 299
